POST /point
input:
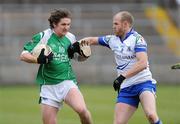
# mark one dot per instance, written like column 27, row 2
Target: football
column 37, row 50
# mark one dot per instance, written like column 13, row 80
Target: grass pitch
column 19, row 105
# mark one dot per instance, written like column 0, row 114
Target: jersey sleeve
column 140, row 45
column 104, row 40
column 29, row 46
column 71, row 37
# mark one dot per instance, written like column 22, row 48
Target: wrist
column 36, row 60
column 121, row 77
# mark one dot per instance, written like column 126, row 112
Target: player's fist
column 81, row 47
column 117, row 82
column 43, row 59
column 75, row 47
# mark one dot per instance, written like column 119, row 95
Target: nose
column 113, row 26
column 66, row 27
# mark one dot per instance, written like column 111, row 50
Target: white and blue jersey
column 125, row 55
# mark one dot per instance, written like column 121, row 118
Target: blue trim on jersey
column 121, row 67
column 140, row 45
column 130, row 95
column 127, row 35
column 140, row 50
column 101, row 42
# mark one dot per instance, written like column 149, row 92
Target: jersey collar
column 127, row 35
column 58, row 37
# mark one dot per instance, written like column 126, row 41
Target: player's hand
column 85, row 49
column 84, row 43
column 117, row 82
column 75, row 47
column 43, row 59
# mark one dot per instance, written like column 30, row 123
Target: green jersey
column 60, row 68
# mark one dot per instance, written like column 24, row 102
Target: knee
column 120, row 122
column 82, row 111
column 49, row 120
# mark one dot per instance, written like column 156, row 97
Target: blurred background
column 157, row 20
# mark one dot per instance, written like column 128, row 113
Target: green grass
column 19, row 105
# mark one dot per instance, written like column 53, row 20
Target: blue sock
column 158, row 122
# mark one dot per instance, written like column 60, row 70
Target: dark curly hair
column 57, row 15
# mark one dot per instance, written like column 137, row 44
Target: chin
column 117, row 34
column 64, row 33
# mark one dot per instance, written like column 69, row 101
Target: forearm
column 27, row 57
column 138, row 67
column 91, row 40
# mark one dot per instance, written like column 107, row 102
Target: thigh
column 127, row 103
column 148, row 102
column 123, row 113
column 49, row 114
column 75, row 99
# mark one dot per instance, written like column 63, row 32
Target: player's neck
column 125, row 34
column 127, row 31
column 58, row 34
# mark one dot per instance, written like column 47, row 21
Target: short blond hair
column 126, row 16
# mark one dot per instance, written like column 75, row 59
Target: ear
column 54, row 25
column 126, row 24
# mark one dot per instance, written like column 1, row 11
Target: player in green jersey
column 55, row 74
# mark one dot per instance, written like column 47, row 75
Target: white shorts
column 54, row 95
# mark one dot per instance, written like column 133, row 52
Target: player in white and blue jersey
column 134, row 77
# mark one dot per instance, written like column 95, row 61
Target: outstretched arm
column 82, row 47
column 90, row 40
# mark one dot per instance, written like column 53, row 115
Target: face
column 62, row 27
column 118, row 26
